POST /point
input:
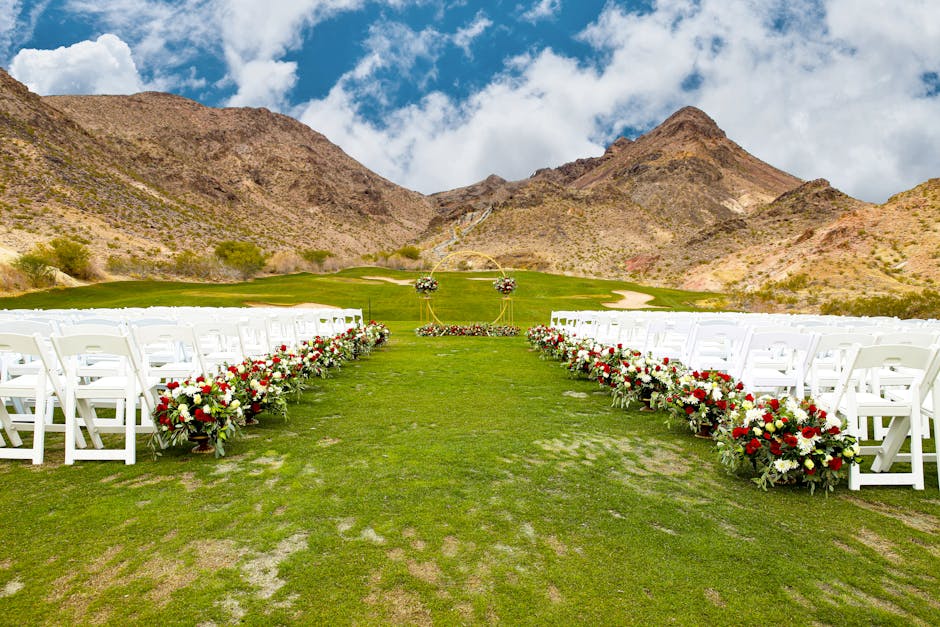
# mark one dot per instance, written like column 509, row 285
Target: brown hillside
column 870, row 249
column 255, row 174
column 632, row 210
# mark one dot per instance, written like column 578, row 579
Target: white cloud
column 103, row 66
column 542, row 10
column 836, row 94
column 464, row 37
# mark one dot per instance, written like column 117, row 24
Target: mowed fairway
column 455, row 481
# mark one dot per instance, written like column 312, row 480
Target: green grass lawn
column 461, row 297
column 454, row 481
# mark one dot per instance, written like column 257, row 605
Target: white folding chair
column 219, row 343
column 119, row 388
column 860, row 393
column 715, row 345
column 253, row 333
column 830, row 358
column 32, row 387
column 775, row 361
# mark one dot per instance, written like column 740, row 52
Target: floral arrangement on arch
column 505, row 285
column 426, row 285
column 705, row 399
column 787, row 441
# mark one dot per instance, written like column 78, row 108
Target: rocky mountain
column 628, row 210
column 154, row 174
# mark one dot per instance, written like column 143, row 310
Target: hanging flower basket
column 505, row 285
column 426, row 285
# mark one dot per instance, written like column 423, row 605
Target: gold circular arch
column 468, row 253
column 505, row 311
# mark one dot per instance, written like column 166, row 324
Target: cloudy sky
column 435, row 94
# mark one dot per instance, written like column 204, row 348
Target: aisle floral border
column 467, row 330
column 218, row 405
column 775, row 441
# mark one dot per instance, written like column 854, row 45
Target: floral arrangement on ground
column 210, row 409
column 776, row 440
column 467, row 330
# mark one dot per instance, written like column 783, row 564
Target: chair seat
column 13, row 387
column 110, row 387
column 869, row 404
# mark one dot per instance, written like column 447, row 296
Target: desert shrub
column 38, row 272
column 409, row 252
column 68, row 255
column 284, row 261
column 191, row 264
column 316, row 256
column 13, row 279
column 244, row 257
column 925, row 304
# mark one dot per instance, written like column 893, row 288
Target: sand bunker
column 390, row 280
column 630, row 300
column 298, row 305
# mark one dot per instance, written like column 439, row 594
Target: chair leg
column 71, row 427
column 8, row 426
column 39, row 429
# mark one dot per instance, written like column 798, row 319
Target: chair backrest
column 22, row 347
column 912, row 338
column 177, row 339
column 91, row 328
column 794, row 348
column 880, row 356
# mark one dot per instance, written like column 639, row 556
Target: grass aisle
column 448, row 481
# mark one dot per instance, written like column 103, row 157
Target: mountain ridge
column 156, row 175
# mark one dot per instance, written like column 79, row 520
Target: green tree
column 316, row 256
column 71, row 257
column 245, row 257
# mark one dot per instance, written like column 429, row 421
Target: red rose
column 834, row 431
column 283, row 347
column 835, row 463
column 666, row 360
column 172, row 385
column 774, row 404
column 753, row 446
column 206, row 389
column 699, row 393
column 749, row 397
column 689, row 409
column 775, row 448
column 790, row 440
column 809, row 432
column 738, row 432
column 768, row 417
column 722, row 405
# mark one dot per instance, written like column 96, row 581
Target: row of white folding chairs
column 786, row 359
column 283, row 324
column 672, row 327
column 36, row 369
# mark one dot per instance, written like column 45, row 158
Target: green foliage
column 409, row 252
column 925, row 304
column 244, row 257
column 68, row 255
column 36, row 269
column 188, row 263
column 316, row 256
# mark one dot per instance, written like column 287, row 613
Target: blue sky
column 435, row 94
